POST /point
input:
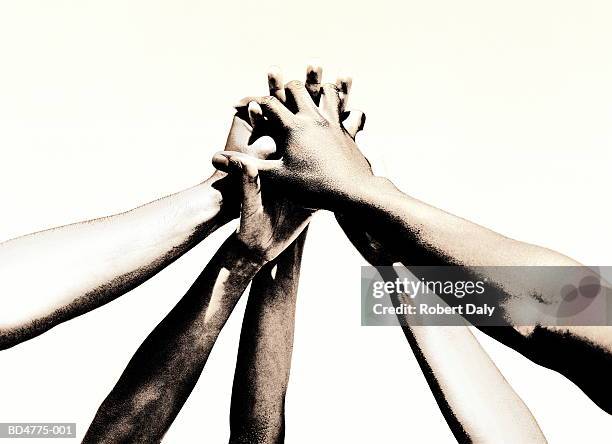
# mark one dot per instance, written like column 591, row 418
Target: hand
column 268, row 221
column 240, row 139
column 353, row 122
column 320, row 164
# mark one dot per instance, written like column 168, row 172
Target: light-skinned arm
column 54, row 275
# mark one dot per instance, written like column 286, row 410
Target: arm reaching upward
column 264, row 356
column 52, row 276
column 322, row 167
column 166, row 367
column 476, row 400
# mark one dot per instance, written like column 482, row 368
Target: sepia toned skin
column 266, row 341
column 85, row 265
column 82, row 266
column 164, row 370
column 322, row 167
column 489, row 411
column 477, row 402
column 257, row 413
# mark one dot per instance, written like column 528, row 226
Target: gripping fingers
column 275, row 83
column 275, row 111
column 330, row 103
column 298, row 98
column 272, row 108
column 225, row 160
column 255, row 114
column 250, row 184
column 344, row 87
column 354, row 122
column 314, row 74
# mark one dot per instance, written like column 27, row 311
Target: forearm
column 442, row 238
column 419, row 234
column 166, row 367
column 264, row 354
column 477, row 402
column 424, row 235
column 51, row 276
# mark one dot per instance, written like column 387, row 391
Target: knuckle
column 268, row 101
column 322, row 122
column 331, row 88
column 294, row 84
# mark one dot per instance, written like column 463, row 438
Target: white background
column 497, row 111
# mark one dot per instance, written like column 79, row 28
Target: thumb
column 222, row 160
column 251, row 187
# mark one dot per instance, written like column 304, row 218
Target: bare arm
column 476, row 400
column 421, row 234
column 264, row 355
column 162, row 373
column 166, row 367
column 49, row 277
column 322, row 167
column 52, row 276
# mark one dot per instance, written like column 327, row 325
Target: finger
column 272, row 108
column 330, row 102
column 344, row 86
column 354, row 122
column 298, row 99
column 275, row 111
column 239, row 133
column 255, row 114
column 250, row 184
column 244, row 102
column 224, row 160
column 314, row 74
column 276, row 84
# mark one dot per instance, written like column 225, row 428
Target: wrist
column 227, row 192
column 240, row 259
column 371, row 191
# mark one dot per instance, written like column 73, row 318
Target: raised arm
column 323, row 168
column 476, row 400
column 264, row 356
column 164, row 370
column 52, row 276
